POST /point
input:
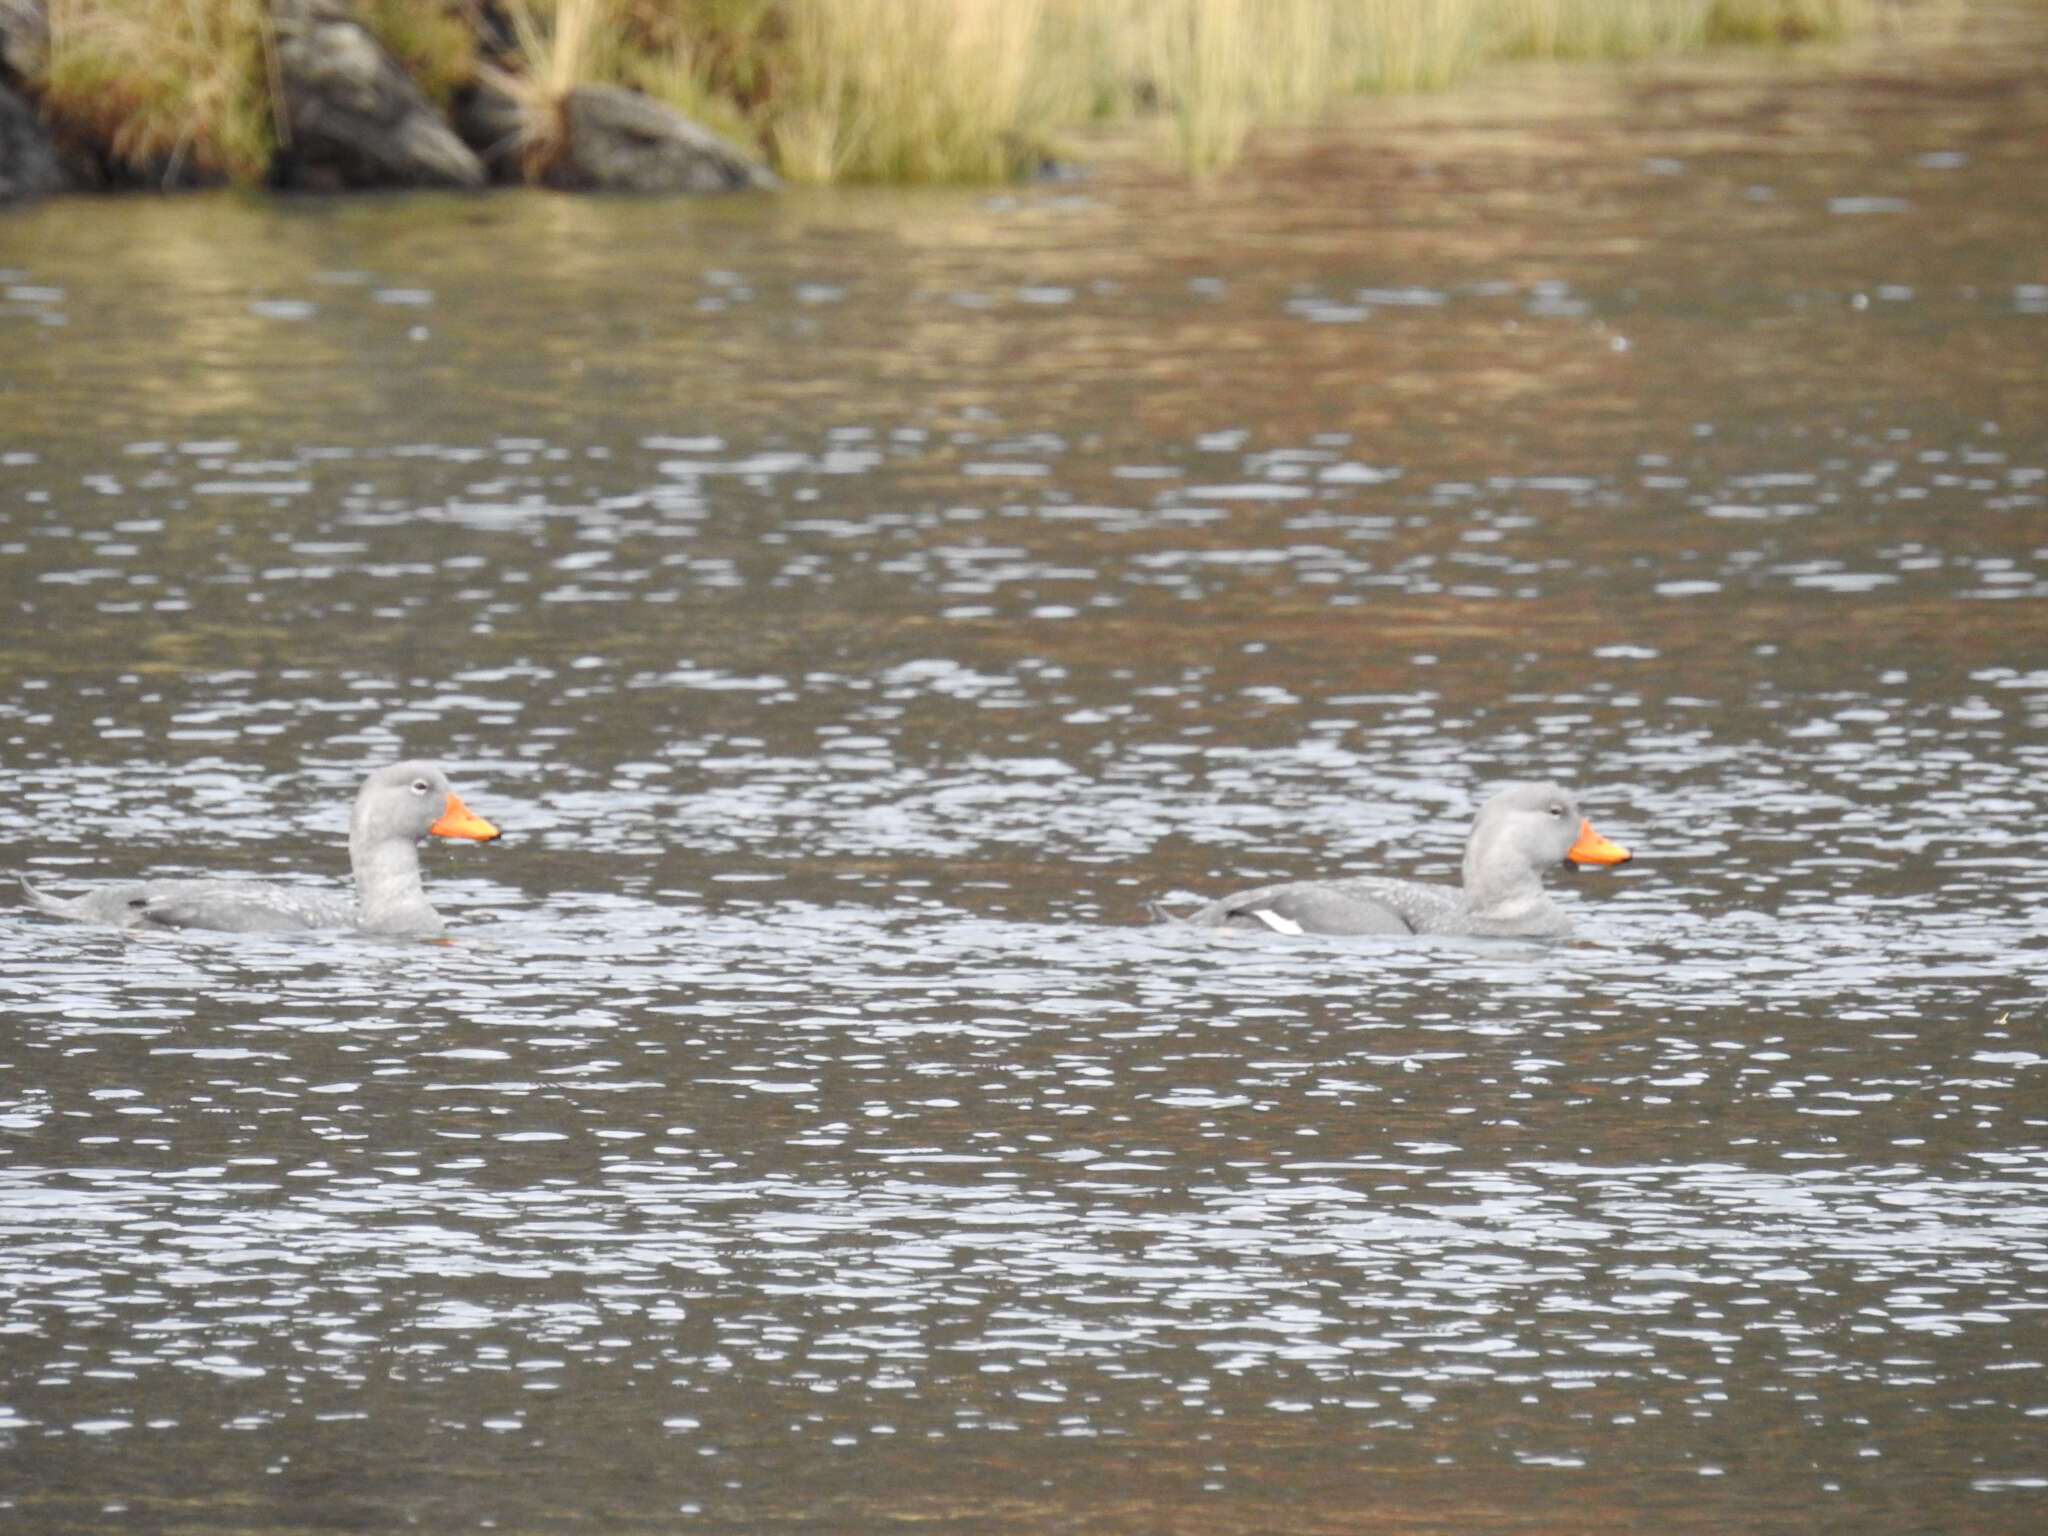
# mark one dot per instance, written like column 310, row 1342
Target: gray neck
column 1498, row 880
column 389, row 897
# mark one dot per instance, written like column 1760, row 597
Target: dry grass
column 435, row 40
column 1626, row 29
column 866, row 90
column 1787, row 21
column 556, row 48
column 906, row 90
column 974, row 89
column 968, row 89
column 695, row 55
column 175, row 90
column 705, row 58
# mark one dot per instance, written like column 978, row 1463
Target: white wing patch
column 1276, row 922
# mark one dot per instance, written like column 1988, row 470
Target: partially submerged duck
column 396, row 807
column 1519, row 833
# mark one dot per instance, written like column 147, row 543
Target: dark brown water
column 856, row 608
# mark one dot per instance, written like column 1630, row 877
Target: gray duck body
column 396, row 807
column 1521, row 831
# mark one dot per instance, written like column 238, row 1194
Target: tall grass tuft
column 1198, row 61
column 1392, row 46
column 704, row 57
column 1599, row 29
column 174, row 90
column 555, row 48
column 907, row 90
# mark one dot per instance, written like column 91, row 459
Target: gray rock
column 490, row 123
column 355, row 119
column 24, row 38
column 28, row 164
column 620, row 141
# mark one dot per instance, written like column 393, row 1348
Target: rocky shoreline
column 348, row 117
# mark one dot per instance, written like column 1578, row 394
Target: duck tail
column 55, row 905
column 37, row 897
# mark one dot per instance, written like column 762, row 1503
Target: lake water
column 856, row 608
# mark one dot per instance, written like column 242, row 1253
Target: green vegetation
column 1623, row 29
column 162, row 90
column 435, row 43
column 864, row 90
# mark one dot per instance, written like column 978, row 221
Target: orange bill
column 1592, row 848
column 458, row 820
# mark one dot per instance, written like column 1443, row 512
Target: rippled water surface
column 856, row 609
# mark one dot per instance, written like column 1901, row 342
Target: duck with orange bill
column 1520, row 832
column 397, row 806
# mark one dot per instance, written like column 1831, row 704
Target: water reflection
column 860, row 610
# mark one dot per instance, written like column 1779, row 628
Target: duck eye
column 420, row 786
column 1557, row 810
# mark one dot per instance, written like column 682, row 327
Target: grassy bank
column 877, row 90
